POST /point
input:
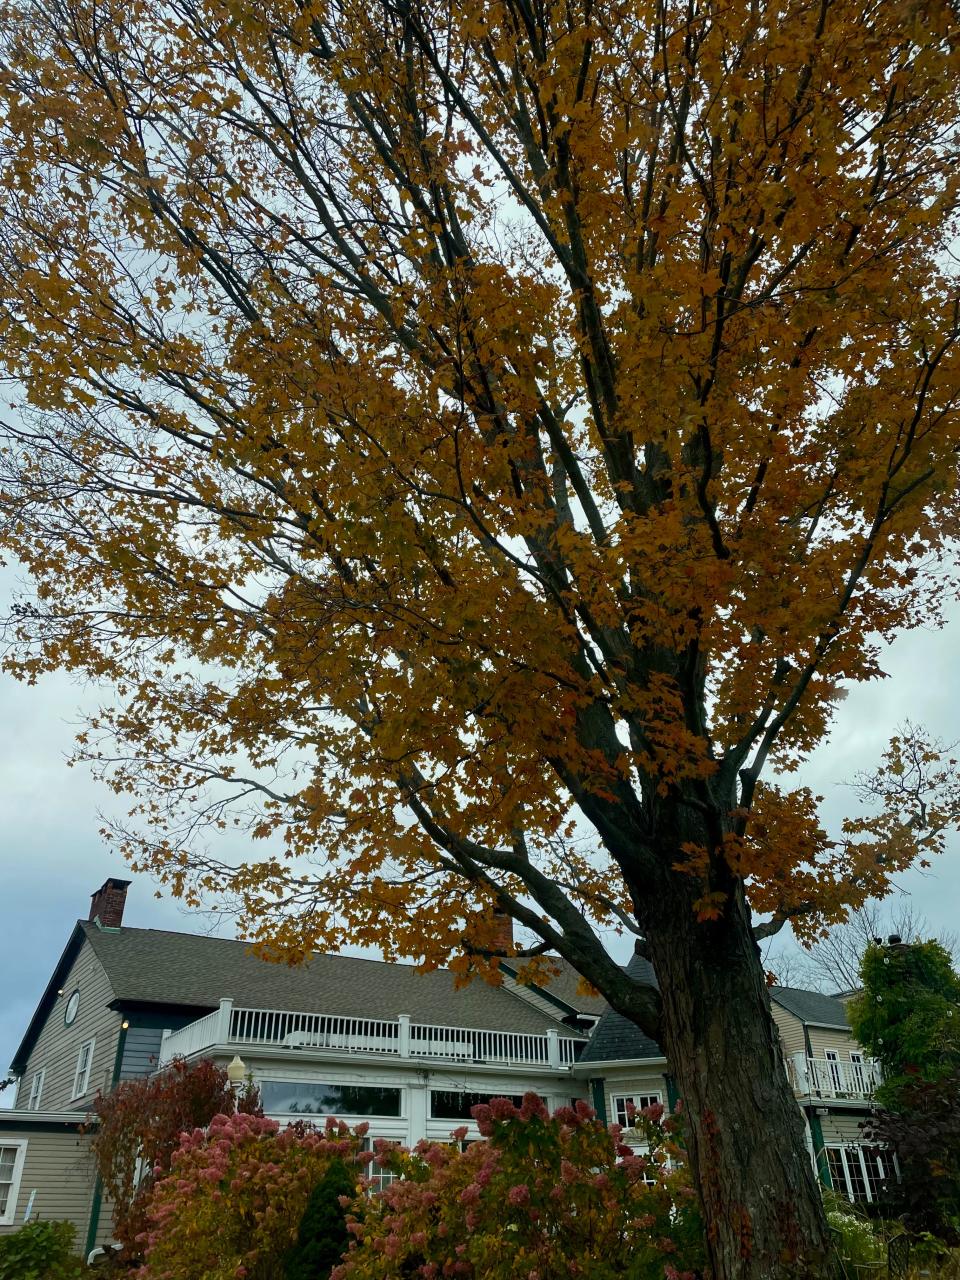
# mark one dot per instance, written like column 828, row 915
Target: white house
column 360, row 1039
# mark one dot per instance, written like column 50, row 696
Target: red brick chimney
column 503, row 937
column 106, row 905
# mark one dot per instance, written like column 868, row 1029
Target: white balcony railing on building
column 833, row 1078
column 399, row 1038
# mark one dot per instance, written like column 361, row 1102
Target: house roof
column 48, row 999
column 562, row 988
column 153, row 966
column 617, row 1039
column 811, row 1007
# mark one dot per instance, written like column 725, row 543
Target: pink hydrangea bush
column 543, row 1198
column 231, row 1205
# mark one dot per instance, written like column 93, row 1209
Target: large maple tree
column 480, row 439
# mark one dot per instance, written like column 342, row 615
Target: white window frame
column 858, row 1072
column 36, row 1089
column 378, row 1182
column 81, row 1077
column 851, row 1152
column 652, row 1099
column 9, row 1215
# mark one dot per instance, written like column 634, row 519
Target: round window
column 73, row 1004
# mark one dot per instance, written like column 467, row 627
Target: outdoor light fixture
column 236, row 1070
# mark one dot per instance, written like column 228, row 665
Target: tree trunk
column 743, row 1128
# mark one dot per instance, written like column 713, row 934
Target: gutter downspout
column 819, row 1147
column 599, row 1098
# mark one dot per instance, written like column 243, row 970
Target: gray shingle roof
column 615, row 1038
column 810, row 1006
column 156, row 967
column 564, row 986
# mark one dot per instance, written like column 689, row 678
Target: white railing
column 191, row 1038
column 833, row 1078
column 569, row 1049
column 313, row 1031
column 431, row 1041
column 283, row 1029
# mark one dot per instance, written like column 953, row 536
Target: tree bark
column 743, row 1128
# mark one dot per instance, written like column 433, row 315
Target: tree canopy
column 475, row 441
column 908, row 1013
column 440, row 426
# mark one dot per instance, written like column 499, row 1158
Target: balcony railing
column 832, row 1078
column 239, row 1029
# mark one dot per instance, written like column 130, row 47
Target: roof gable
column 561, row 989
column 617, row 1039
column 75, row 944
column 811, row 1007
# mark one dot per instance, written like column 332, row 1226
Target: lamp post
column 236, row 1074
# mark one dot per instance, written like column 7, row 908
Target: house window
column 859, row 1172
column 378, row 1177
column 833, row 1070
column 625, row 1105
column 81, row 1077
column 309, row 1098
column 11, row 1170
column 857, row 1074
column 36, row 1088
column 456, row 1104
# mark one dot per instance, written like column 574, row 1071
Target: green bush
column 323, row 1236
column 40, row 1251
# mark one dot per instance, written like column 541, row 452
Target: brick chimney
column 503, row 937
column 106, row 905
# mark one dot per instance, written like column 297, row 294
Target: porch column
column 224, row 1018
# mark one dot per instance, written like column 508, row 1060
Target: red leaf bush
column 230, row 1207
column 543, row 1198
column 137, row 1128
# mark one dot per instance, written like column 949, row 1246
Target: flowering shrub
column 858, row 1243
column 232, row 1203
column 544, row 1198
column 138, row 1128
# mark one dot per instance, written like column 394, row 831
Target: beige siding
column 58, row 1046
column 839, row 1128
column 104, row 1232
column 822, row 1038
column 59, row 1168
column 631, row 1083
column 791, row 1031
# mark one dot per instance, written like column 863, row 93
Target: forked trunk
column 743, row 1128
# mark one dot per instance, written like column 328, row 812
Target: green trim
column 673, row 1097
column 94, row 1217
column 819, row 1148
column 97, row 1204
column 599, row 1098
column 118, row 1057
column 25, row 1127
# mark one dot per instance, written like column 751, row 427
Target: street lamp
column 236, row 1072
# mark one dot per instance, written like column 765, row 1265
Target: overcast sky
column 52, row 857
